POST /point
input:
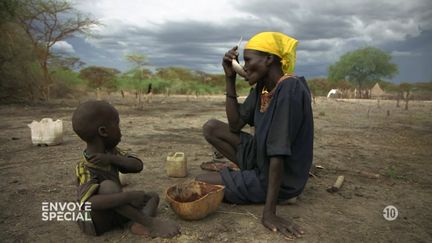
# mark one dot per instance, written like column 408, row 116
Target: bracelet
column 231, row 96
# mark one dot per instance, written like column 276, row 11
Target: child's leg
column 106, row 220
column 155, row 227
column 150, row 209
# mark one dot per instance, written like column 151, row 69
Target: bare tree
column 67, row 62
column 406, row 92
column 47, row 22
column 140, row 72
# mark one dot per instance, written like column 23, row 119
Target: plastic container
column 46, row 132
column 176, row 164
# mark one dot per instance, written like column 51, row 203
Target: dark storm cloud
column 294, row 19
column 399, row 27
column 325, row 30
column 414, row 58
column 185, row 43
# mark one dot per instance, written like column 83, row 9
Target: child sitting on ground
column 97, row 123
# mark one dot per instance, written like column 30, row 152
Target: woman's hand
column 285, row 226
column 227, row 63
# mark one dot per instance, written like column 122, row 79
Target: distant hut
column 376, row 92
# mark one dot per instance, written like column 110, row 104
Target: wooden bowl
column 194, row 200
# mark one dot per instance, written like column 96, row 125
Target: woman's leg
column 211, row 178
column 218, row 134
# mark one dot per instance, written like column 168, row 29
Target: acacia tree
column 47, row 22
column 67, row 62
column 100, row 77
column 362, row 67
column 19, row 76
column 7, row 10
column 139, row 62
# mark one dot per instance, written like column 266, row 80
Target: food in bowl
column 194, row 200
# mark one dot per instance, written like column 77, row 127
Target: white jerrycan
column 46, row 132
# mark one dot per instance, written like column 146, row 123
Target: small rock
column 53, row 190
column 22, row 191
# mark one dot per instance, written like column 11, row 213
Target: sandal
column 218, row 166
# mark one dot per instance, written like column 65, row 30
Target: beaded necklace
column 266, row 96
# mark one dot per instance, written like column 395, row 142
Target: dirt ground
column 350, row 136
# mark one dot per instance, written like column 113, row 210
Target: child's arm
column 126, row 164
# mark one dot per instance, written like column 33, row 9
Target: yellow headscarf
column 278, row 44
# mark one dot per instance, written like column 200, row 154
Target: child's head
column 97, row 120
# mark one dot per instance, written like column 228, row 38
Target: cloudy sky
column 196, row 34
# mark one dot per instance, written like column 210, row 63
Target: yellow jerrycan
column 176, row 164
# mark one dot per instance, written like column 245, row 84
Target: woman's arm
column 269, row 219
column 232, row 106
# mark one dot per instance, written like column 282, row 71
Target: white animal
column 333, row 92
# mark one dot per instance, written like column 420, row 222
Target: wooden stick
column 312, row 174
column 337, row 185
column 366, row 174
column 251, row 214
column 339, row 182
column 247, row 214
column 369, row 174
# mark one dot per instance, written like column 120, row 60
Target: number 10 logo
column 390, row 213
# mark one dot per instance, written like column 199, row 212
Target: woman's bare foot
column 139, row 229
